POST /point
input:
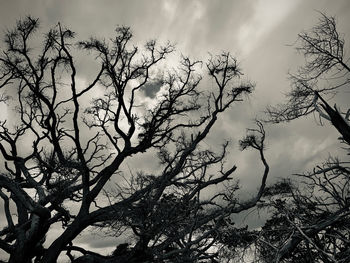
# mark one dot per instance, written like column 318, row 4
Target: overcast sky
column 258, row 32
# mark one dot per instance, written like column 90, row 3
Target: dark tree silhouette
column 310, row 221
column 58, row 154
column 310, row 217
column 325, row 72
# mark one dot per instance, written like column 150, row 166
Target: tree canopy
column 77, row 141
column 310, row 212
column 65, row 146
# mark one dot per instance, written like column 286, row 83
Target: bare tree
column 310, row 216
column 310, row 221
column 58, row 154
column 326, row 72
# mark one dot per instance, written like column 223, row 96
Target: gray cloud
column 151, row 88
column 258, row 32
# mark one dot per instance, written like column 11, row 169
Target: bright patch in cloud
column 268, row 14
column 169, row 6
column 3, row 111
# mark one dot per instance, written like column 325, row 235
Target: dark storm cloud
column 151, row 88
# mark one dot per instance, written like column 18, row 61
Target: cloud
column 256, row 31
column 151, row 88
column 267, row 16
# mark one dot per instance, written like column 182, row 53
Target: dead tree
column 58, row 154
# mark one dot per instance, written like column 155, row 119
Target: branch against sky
column 310, row 213
column 326, row 71
column 310, row 220
column 74, row 151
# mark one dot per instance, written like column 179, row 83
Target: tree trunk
column 21, row 255
column 29, row 243
column 52, row 253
